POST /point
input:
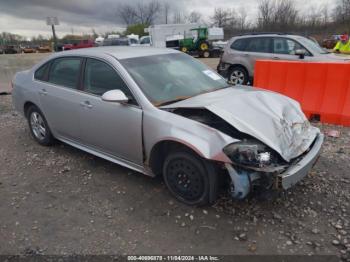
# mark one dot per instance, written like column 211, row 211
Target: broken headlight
column 252, row 154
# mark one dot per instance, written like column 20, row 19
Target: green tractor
column 199, row 45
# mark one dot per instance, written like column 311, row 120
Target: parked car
column 44, row 49
column 162, row 112
column 122, row 41
column 240, row 54
column 10, row 49
column 29, row 49
column 77, row 44
column 329, row 43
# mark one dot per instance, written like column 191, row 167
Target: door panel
column 112, row 128
column 60, row 107
column 59, row 97
column 284, row 49
column 258, row 48
column 109, row 127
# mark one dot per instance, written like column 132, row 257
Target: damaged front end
column 253, row 163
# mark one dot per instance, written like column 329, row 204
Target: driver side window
column 99, row 78
column 286, row 46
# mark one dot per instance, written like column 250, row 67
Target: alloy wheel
column 38, row 125
column 237, row 77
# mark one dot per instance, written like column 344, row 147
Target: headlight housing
column 253, row 154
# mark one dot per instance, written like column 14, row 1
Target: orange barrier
column 322, row 89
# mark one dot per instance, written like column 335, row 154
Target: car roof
column 120, row 52
column 266, row 35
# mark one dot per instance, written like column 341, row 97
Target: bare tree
column 128, row 14
column 147, row 13
column 221, row 17
column 286, row 14
column 325, row 14
column 342, row 11
column 194, row 17
column 277, row 15
column 242, row 19
column 141, row 13
column 265, row 13
column 179, row 18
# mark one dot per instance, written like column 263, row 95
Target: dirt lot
column 10, row 64
column 60, row 200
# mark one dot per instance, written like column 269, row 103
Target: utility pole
column 166, row 11
column 54, row 37
column 53, row 21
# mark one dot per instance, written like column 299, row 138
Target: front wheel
column 184, row 49
column 190, row 179
column 238, row 76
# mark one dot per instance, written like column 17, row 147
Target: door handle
column 276, row 58
column 43, row 92
column 86, row 104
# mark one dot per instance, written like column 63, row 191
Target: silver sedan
column 162, row 112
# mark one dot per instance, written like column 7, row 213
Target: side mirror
column 115, row 95
column 301, row 53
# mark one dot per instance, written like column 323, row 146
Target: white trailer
column 160, row 33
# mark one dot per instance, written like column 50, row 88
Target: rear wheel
column 206, row 54
column 190, row 179
column 39, row 127
column 238, row 76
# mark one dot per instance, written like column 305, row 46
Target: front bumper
column 242, row 180
column 298, row 171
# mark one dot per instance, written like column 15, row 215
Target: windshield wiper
column 172, row 101
column 178, row 99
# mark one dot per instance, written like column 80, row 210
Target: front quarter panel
column 160, row 125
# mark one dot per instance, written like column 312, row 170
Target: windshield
column 170, row 77
column 116, row 42
column 311, row 45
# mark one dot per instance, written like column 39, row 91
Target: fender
column 166, row 126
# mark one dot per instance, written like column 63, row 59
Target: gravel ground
column 60, row 200
column 12, row 63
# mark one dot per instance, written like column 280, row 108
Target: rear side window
column 259, row 45
column 254, row 44
column 240, row 44
column 41, row 73
column 65, row 72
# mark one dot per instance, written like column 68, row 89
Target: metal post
column 54, row 38
column 52, row 21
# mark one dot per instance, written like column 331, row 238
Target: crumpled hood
column 274, row 119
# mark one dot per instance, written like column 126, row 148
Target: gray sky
column 27, row 17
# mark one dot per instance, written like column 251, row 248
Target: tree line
column 272, row 16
